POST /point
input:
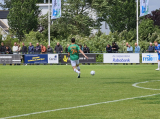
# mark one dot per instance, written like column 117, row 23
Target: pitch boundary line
column 135, row 85
column 81, row 106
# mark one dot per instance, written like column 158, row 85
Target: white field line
column 68, row 108
column 135, row 85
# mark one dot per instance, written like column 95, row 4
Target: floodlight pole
column 137, row 22
column 49, row 22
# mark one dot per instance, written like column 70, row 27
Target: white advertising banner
column 121, row 58
column 53, row 58
column 149, row 57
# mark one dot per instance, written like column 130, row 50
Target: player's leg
column 158, row 63
column 77, row 64
column 73, row 63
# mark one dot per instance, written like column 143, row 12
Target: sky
column 153, row 5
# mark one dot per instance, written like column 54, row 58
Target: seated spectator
column 49, row 49
column 43, row 49
column 150, row 48
column 15, row 48
column 2, row 48
column 38, row 49
column 86, row 49
column 58, row 48
column 137, row 48
column 109, row 48
column 8, row 50
column 129, row 49
column 30, row 49
column 66, row 49
column 115, row 48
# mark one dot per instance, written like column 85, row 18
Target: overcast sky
column 153, row 4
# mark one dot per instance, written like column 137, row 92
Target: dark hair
column 73, row 40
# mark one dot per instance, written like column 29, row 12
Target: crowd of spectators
column 41, row 49
column 114, row 48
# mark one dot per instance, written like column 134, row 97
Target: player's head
column 155, row 43
column 73, row 40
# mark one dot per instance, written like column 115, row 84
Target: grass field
column 107, row 95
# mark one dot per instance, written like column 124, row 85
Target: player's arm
column 68, row 54
column 83, row 53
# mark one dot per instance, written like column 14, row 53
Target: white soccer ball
column 92, row 73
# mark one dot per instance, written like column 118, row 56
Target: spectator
column 24, row 51
column 86, row 49
column 137, row 48
column 115, row 48
column 19, row 48
column 38, row 49
column 30, row 49
column 80, row 46
column 150, row 48
column 66, row 50
column 43, row 49
column 8, row 50
column 129, row 49
column 109, row 48
column 15, row 48
column 2, row 49
column 127, row 44
column 58, row 48
column 49, row 49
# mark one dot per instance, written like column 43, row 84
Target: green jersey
column 74, row 52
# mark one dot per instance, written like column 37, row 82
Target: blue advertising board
column 36, row 58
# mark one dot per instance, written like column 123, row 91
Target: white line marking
column 23, row 115
column 135, row 85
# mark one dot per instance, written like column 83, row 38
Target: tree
column 23, row 17
column 155, row 16
column 76, row 19
column 119, row 14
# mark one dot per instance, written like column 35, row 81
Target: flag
column 144, row 7
column 56, row 9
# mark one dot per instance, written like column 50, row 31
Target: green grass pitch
column 29, row 89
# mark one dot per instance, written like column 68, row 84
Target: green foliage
column 146, row 28
column 119, row 14
column 9, row 41
column 23, row 17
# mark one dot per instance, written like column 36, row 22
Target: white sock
column 158, row 64
column 76, row 71
column 78, row 68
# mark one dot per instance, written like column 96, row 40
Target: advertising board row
column 64, row 58
column 130, row 58
column 55, row 58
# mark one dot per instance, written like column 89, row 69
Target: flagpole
column 137, row 22
column 49, row 22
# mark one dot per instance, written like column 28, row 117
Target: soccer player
column 73, row 52
column 157, row 49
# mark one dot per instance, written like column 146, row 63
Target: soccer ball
column 92, row 73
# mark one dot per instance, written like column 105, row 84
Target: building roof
column 3, row 14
